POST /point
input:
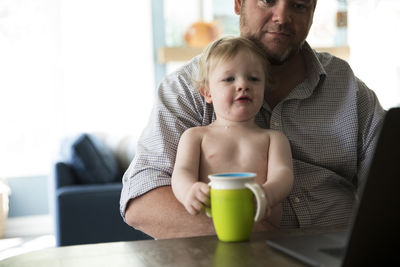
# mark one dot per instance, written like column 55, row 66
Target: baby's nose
column 242, row 84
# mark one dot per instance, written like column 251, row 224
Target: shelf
column 342, row 52
column 185, row 53
column 182, row 53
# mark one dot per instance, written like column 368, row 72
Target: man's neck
column 284, row 78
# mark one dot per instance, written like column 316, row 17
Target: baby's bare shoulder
column 197, row 131
column 274, row 134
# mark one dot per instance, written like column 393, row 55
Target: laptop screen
column 373, row 238
column 375, row 228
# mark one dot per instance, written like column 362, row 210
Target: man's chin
column 276, row 59
column 279, row 58
column 276, row 54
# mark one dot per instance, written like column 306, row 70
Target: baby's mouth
column 243, row 99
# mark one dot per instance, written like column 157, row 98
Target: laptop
column 374, row 235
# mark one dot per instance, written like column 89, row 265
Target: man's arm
column 159, row 214
column 370, row 115
column 152, row 207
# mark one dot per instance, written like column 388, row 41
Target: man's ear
column 206, row 93
column 238, row 6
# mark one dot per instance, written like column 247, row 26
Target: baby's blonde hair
column 224, row 49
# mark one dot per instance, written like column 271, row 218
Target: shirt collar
column 315, row 74
column 315, row 69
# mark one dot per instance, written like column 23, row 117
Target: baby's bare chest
column 234, row 153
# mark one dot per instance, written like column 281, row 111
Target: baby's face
column 236, row 87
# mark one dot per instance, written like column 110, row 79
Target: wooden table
column 196, row 251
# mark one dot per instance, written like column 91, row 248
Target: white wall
column 374, row 39
column 69, row 66
column 106, row 55
column 372, row 35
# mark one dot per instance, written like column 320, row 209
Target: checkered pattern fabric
column 331, row 119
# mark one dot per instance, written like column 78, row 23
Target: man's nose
column 281, row 12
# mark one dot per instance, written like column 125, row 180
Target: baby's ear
column 205, row 91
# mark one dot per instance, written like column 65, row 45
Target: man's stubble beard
column 289, row 53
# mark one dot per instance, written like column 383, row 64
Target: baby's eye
column 229, row 79
column 253, row 78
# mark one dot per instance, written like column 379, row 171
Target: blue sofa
column 87, row 187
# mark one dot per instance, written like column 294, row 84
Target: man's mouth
column 279, row 31
column 286, row 34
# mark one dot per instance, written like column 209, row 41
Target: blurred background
column 76, row 66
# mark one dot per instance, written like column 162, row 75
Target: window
column 374, row 47
column 70, row 66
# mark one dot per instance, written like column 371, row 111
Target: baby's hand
column 268, row 208
column 197, row 198
column 274, row 215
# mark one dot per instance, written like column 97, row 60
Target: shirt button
column 296, row 200
column 276, row 124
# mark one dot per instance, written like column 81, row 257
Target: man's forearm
column 159, row 214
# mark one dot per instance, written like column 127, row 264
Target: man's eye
column 299, row 6
column 267, row 2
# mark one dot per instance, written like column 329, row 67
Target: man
column 329, row 116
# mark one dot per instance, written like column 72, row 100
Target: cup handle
column 261, row 200
column 208, row 210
